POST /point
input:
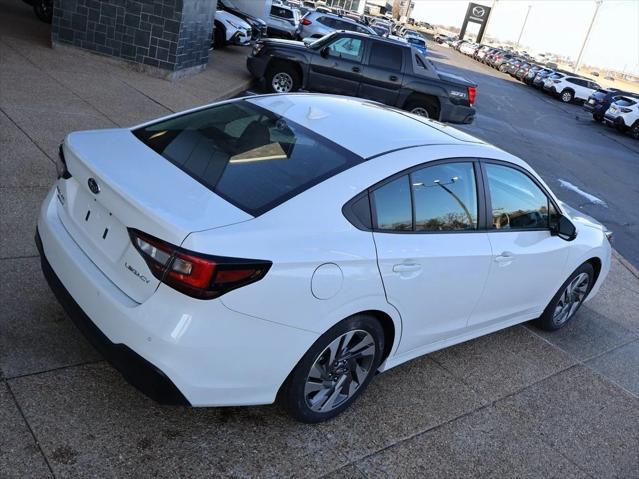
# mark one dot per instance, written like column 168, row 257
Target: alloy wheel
column 339, row 370
column 421, row 111
column 571, row 299
column 566, row 97
column 282, row 82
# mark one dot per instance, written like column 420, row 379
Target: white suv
column 570, row 88
column 624, row 114
column 230, row 29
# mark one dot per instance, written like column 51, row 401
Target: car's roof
column 364, row 127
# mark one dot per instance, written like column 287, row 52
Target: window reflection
column 517, row 202
column 393, row 206
column 445, row 197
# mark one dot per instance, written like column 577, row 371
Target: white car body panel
column 234, row 25
column 239, row 348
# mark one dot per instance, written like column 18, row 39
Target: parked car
column 481, row 52
column 623, row 114
column 376, row 68
column 230, row 30
column 500, row 59
column 491, row 55
column 418, row 42
column 511, row 66
column 43, row 9
column 600, row 101
column 533, row 72
column 283, row 21
column 523, row 70
column 570, row 87
column 258, row 26
column 541, row 77
column 287, row 247
column 316, row 25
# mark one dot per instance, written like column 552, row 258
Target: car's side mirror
column 564, row 229
column 324, row 52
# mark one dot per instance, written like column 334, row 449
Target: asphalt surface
column 561, row 142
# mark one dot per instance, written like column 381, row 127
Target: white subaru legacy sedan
column 291, row 246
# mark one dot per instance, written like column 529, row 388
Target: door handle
column 355, row 69
column 505, row 257
column 406, row 267
column 393, row 78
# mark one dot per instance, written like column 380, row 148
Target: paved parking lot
column 562, row 143
column 518, row 403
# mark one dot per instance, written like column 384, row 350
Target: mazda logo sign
column 93, row 186
column 478, row 11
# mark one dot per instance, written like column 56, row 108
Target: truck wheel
column 219, row 37
column 422, row 107
column 282, row 78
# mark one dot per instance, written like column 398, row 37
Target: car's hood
column 580, row 217
column 278, row 42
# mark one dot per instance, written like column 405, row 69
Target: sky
column 556, row 26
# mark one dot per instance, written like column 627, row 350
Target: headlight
column 257, row 48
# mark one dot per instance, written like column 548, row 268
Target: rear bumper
column 193, row 351
column 136, row 370
column 452, row 113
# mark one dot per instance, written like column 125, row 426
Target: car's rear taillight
column 472, row 92
column 194, row 274
column 556, row 81
column 306, row 21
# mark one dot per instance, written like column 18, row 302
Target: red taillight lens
column 306, row 21
column 194, row 274
column 472, row 92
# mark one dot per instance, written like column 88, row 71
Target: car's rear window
column 249, row 156
column 624, row 101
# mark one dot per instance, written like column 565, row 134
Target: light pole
column 583, row 46
column 523, row 26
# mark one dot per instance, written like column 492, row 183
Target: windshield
column 416, row 41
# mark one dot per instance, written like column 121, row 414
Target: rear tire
column 564, row 305
column 598, row 117
column 634, row 131
column 423, row 107
column 331, row 375
column 219, row 38
column 566, row 96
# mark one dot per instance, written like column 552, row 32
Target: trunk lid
column 117, row 182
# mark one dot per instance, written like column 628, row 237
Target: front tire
column 634, row 131
column 282, row 78
column 43, row 9
column 565, row 304
column 335, row 370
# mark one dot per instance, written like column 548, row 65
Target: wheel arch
column 291, row 62
column 430, row 98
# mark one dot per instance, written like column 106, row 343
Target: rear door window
column 246, row 154
column 384, row 55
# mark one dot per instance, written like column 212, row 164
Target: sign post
column 476, row 14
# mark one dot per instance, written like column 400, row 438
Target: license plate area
column 98, row 225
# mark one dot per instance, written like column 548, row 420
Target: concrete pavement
column 518, row 403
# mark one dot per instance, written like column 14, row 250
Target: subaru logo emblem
column 478, row 11
column 93, row 186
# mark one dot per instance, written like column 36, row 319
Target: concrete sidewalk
column 518, row 403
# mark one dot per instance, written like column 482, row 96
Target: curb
column 245, row 85
column 634, row 271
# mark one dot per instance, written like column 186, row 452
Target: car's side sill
column 444, row 343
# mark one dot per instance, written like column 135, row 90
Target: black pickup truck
column 375, row 68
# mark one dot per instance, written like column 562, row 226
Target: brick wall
column 172, row 35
